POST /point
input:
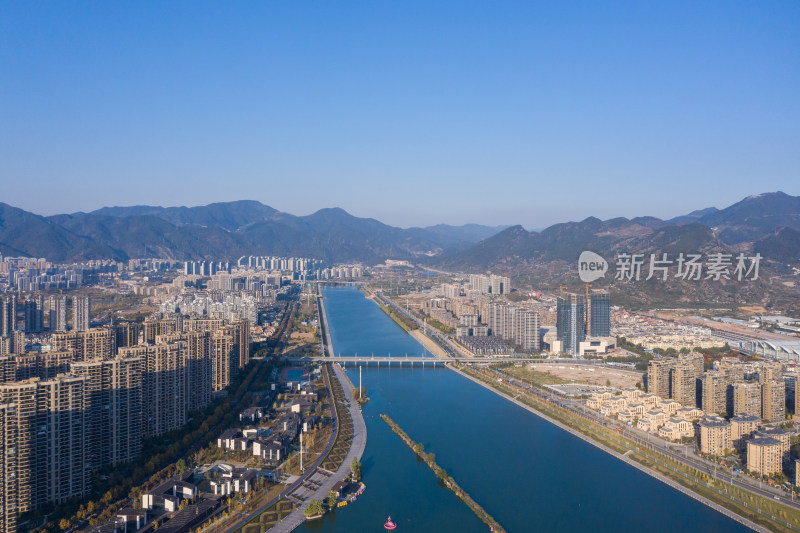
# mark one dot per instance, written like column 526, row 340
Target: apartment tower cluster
column 89, row 401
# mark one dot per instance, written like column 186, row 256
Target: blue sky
column 410, row 112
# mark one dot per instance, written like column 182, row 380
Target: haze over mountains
column 223, row 231
column 769, row 223
column 766, row 223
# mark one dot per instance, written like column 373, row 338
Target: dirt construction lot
column 596, row 375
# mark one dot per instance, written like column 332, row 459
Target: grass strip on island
column 404, row 322
column 440, row 472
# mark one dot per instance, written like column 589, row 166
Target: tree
column 355, row 468
column 608, row 383
column 331, row 499
column 180, row 466
column 314, row 508
column 63, row 524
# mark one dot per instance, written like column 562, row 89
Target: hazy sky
column 410, row 112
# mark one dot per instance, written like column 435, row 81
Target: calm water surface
column 527, row 473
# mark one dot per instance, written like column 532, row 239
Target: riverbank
column 405, row 323
column 634, row 458
column 348, row 441
column 428, row 343
column 448, row 481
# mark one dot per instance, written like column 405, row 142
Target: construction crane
column 587, row 306
column 560, row 289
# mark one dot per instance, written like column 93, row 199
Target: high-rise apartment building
column 240, row 331
column 114, row 414
column 571, row 322
column 773, row 401
column 492, row 284
column 222, row 353
column 198, row 360
column 8, row 468
column 81, row 313
column 89, row 344
column 764, row 456
column 126, row 334
column 715, row 393
column 8, row 315
column 517, row 325
column 50, row 431
column 658, row 378
column 57, row 313
column 34, row 314
column 684, row 379
column 715, row 436
column 18, row 342
column 747, row 398
column 742, row 428
column 199, row 371
column 23, row 395
column 63, row 444
column 527, row 331
column 42, row 365
column 163, row 385
column 771, row 371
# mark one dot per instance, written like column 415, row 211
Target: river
column 527, row 473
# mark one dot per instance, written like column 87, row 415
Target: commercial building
column 599, row 311
column 571, row 322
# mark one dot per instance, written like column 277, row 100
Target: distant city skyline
column 411, row 114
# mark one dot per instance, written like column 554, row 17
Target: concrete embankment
column 677, row 486
column 429, row 345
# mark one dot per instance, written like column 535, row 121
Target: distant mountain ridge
column 769, row 221
column 226, row 230
column 223, row 230
column 227, row 215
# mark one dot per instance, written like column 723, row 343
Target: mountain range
column 768, row 223
column 223, row 231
